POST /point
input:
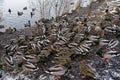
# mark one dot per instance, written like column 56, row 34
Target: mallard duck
column 9, row 30
column 86, row 69
column 28, row 24
column 109, row 54
column 19, row 57
column 97, row 28
column 113, row 43
column 32, row 13
column 104, row 42
column 37, row 23
column 20, row 13
column 9, row 10
column 9, row 61
column 56, row 70
column 25, row 8
column 32, row 58
column 93, row 38
column 33, row 9
column 42, row 77
column 30, row 67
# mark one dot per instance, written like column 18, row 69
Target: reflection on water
column 50, row 10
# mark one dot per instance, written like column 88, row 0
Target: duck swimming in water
column 9, row 10
column 20, row 13
column 27, row 24
column 37, row 23
column 33, row 9
column 25, row 8
column 31, row 14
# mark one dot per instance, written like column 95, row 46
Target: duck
column 98, row 29
column 9, row 10
column 19, row 57
column 33, row 9
column 30, row 67
column 31, row 14
column 27, row 24
column 9, row 61
column 109, row 54
column 93, row 38
column 20, row 13
column 87, row 70
column 37, row 23
column 72, row 3
column 32, row 58
column 57, row 70
column 25, row 8
column 113, row 43
column 9, row 30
